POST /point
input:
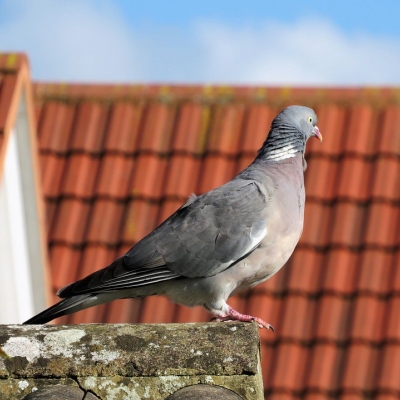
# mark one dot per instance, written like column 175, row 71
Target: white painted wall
column 22, row 286
column 15, row 274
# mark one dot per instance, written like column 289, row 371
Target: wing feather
column 205, row 236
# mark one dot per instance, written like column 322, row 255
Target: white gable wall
column 22, row 284
column 15, row 277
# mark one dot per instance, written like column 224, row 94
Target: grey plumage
column 218, row 243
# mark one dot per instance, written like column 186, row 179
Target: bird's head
column 290, row 130
column 302, row 118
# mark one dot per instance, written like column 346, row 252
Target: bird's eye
column 310, row 120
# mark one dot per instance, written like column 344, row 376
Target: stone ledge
column 130, row 361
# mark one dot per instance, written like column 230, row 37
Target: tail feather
column 65, row 307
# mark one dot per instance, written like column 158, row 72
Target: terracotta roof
column 117, row 160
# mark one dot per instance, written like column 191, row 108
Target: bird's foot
column 237, row 316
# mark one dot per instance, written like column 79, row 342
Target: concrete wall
column 130, row 361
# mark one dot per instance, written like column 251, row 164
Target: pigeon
column 216, row 244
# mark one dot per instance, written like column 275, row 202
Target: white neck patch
column 283, row 153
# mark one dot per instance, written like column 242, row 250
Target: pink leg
column 236, row 316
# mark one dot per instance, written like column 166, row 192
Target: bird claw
column 236, row 316
column 262, row 324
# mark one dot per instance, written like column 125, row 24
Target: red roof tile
column 51, row 213
column 321, row 178
column 256, row 127
column 114, row 177
column 52, row 166
column 349, row 184
column 196, row 314
column 191, row 128
column 224, row 136
column 118, row 160
column 349, row 226
column 123, row 311
column 245, row 159
column 182, row 176
column 105, row 222
column 275, row 285
column 71, row 222
column 376, row 276
column 359, row 369
column 317, row 396
column 395, row 271
column 56, row 123
column 340, row 269
column 331, row 317
column 393, row 320
column 268, row 307
column 168, row 207
column 317, row 232
column 79, row 176
column 8, row 85
column 281, row 396
column 290, row 361
column 386, row 179
column 389, row 138
column 93, row 254
column 352, row 396
column 388, row 373
column 324, row 368
column 297, row 321
column 64, row 262
column 124, row 125
column 140, row 218
column 386, row 396
column 367, row 319
column 148, row 176
column 216, row 170
column 383, row 228
column 88, row 134
column 360, row 132
column 157, row 128
column 333, row 125
column 11, row 62
column 307, row 279
column 157, row 310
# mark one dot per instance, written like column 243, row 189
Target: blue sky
column 263, row 42
column 378, row 17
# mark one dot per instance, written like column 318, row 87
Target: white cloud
column 83, row 40
column 89, row 40
column 309, row 52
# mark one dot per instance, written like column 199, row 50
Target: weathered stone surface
column 129, row 350
column 159, row 388
column 204, row 392
column 130, row 361
column 60, row 392
column 11, row 389
column 57, row 392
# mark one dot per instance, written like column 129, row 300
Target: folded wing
column 204, row 237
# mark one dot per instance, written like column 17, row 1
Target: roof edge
column 70, row 92
column 13, row 62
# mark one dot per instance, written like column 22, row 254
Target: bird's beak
column 317, row 133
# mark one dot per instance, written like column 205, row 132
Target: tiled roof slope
column 117, row 160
